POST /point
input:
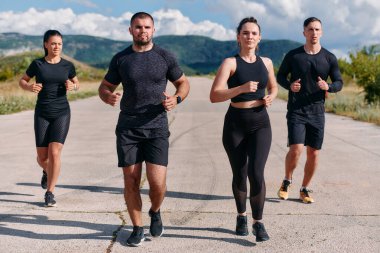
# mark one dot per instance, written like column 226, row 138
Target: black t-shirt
column 144, row 77
column 245, row 72
column 52, row 99
column 308, row 67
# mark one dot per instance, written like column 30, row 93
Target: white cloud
column 174, row 22
column 347, row 24
column 36, row 22
column 169, row 21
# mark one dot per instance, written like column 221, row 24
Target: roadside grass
column 14, row 99
column 349, row 102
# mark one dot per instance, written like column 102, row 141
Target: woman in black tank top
column 54, row 76
column 247, row 133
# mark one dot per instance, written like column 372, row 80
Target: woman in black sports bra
column 247, row 133
column 54, row 76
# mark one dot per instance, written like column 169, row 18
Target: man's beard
column 142, row 43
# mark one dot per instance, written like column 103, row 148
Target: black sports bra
column 245, row 72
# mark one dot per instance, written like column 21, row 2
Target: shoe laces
column 135, row 231
column 307, row 191
column 241, row 221
column 259, row 227
column 49, row 194
column 155, row 216
column 285, row 185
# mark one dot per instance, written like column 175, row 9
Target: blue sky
column 347, row 24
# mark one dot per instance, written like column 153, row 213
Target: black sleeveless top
column 255, row 71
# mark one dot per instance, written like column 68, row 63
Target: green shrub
column 365, row 66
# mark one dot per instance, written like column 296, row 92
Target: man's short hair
column 141, row 15
column 309, row 20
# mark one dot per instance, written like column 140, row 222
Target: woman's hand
column 70, row 85
column 250, row 86
column 268, row 99
column 35, row 87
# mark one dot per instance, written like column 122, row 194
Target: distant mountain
column 196, row 54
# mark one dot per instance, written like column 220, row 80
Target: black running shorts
column 136, row 145
column 306, row 128
column 49, row 130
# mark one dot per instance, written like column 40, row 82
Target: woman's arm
column 219, row 92
column 272, row 83
column 24, row 84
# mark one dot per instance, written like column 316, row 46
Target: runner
column 54, row 76
column 247, row 133
column 309, row 67
column 142, row 130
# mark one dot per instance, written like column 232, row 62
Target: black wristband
column 179, row 100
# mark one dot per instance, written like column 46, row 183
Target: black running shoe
column 136, row 237
column 44, row 180
column 49, row 199
column 259, row 231
column 156, row 229
column 241, row 225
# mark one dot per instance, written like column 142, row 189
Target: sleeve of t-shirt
column 174, row 70
column 335, row 75
column 283, row 72
column 32, row 69
column 113, row 75
column 72, row 72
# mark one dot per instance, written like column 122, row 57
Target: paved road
column 199, row 211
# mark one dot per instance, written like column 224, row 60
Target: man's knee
column 312, row 153
column 132, row 186
column 295, row 151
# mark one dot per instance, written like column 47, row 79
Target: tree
column 365, row 66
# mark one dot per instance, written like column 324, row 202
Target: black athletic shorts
column 49, row 130
column 306, row 128
column 136, row 145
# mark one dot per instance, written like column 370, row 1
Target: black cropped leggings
column 247, row 138
column 49, row 130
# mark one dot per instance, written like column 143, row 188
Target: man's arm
column 106, row 94
column 182, row 89
column 336, row 77
column 283, row 72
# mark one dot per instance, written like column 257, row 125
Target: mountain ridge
column 196, row 54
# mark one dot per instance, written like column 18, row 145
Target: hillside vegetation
column 359, row 99
column 14, row 66
column 14, row 99
column 196, row 54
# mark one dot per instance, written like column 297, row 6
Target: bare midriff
column 248, row 104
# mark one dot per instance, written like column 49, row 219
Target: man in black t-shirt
column 309, row 67
column 142, row 130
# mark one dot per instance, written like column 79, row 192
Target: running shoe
column 241, row 225
column 305, row 196
column 259, row 231
column 44, row 180
column 49, row 199
column 283, row 192
column 156, row 229
column 137, row 237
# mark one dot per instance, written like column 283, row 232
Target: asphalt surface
column 199, row 211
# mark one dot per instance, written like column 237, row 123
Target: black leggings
column 247, row 138
column 49, row 130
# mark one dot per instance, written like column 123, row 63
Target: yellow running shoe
column 305, row 197
column 283, row 193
